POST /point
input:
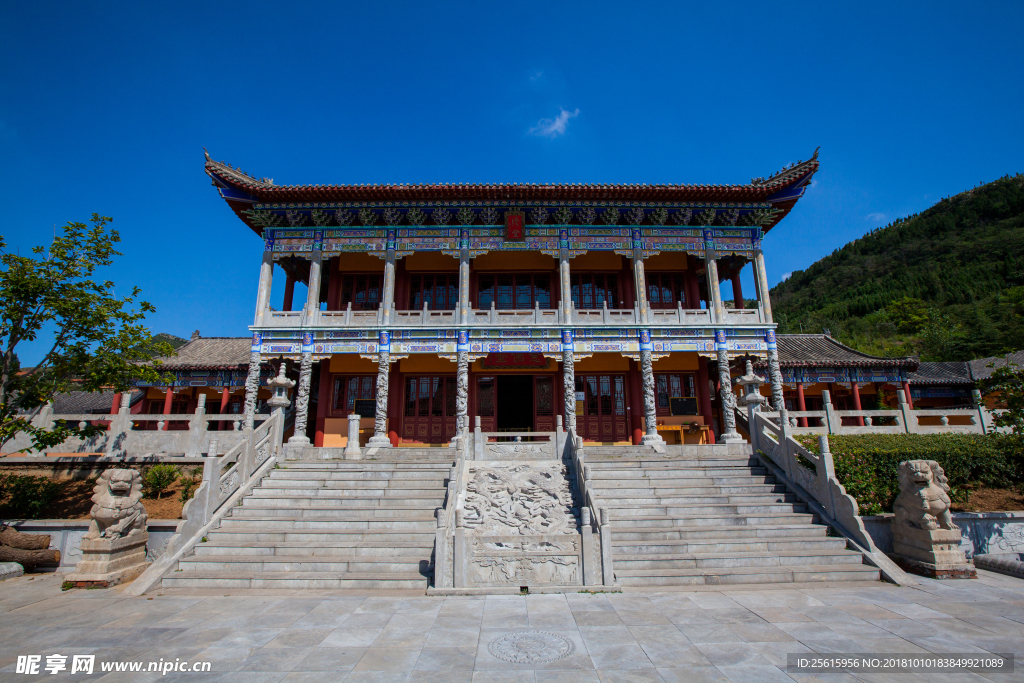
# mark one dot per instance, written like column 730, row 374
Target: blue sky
column 106, row 107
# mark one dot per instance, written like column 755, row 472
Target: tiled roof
column 86, row 402
column 241, row 190
column 941, row 373
column 980, row 369
column 203, row 353
column 814, row 350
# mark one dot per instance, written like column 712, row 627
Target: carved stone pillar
column 569, row 380
column 387, row 299
column 462, row 386
column 714, row 291
column 266, row 279
column 302, row 394
column 762, row 285
column 774, row 372
column 729, row 433
column 380, row 424
column 464, row 286
column 252, row 381
column 650, row 418
column 313, row 291
column 640, row 284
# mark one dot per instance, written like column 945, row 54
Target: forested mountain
column 945, row 284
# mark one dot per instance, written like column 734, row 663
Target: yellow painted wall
column 666, row 261
column 522, row 260
column 603, row 362
column 678, row 361
column 427, row 363
column 597, row 260
column 352, row 363
column 360, row 263
column 432, row 261
column 478, row 366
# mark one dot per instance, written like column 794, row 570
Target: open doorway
column 515, row 403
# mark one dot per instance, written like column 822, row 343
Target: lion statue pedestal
column 924, row 539
column 114, row 547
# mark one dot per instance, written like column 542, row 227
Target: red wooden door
column 429, row 412
column 601, row 407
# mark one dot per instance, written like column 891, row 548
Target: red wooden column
column 323, row 406
column 115, row 405
column 289, row 292
column 167, row 406
column 737, row 290
column 636, row 401
column 906, row 391
column 225, row 398
column 704, row 395
column 800, row 403
column 856, row 403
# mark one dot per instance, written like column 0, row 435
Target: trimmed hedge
column 868, row 464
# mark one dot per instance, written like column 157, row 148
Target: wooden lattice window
column 594, row 290
column 665, row 290
column 440, row 292
column 514, row 291
column 362, row 291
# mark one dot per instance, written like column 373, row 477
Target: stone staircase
column 710, row 515
column 328, row 524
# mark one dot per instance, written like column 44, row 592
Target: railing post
column 352, row 451
column 459, row 547
column 979, row 405
column 120, row 426
column 834, row 423
column 478, row 442
column 826, row 472
column 197, row 429
column 909, row 420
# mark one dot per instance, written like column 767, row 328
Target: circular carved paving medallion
column 530, row 647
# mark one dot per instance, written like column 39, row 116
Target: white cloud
column 875, row 217
column 552, row 128
column 786, row 276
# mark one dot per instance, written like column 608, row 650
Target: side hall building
column 517, row 303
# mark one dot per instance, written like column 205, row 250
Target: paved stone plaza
column 692, row 636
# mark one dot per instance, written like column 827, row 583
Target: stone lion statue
column 923, row 502
column 117, row 511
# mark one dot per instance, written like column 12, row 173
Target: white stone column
column 302, row 394
column 388, row 296
column 263, row 293
column 313, row 292
column 729, row 433
column 569, row 380
column 464, row 305
column 640, row 283
column 380, row 424
column 566, row 283
column 714, row 291
column 252, row 381
column 762, row 285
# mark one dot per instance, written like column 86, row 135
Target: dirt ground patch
column 992, row 500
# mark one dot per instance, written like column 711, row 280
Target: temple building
column 430, row 305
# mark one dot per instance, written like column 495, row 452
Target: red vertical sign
column 515, row 223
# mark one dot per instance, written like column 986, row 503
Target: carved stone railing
column 226, row 480
column 811, row 478
column 444, row 537
column 139, row 433
column 903, row 420
column 594, row 519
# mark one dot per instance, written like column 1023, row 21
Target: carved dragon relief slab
column 520, row 500
column 520, row 451
column 556, row 570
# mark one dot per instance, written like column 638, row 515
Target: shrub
column 867, row 465
column 158, row 479
column 27, row 497
column 190, row 481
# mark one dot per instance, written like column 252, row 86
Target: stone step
column 780, row 530
column 257, row 534
column 740, row 575
column 300, row 563
column 271, row 522
column 661, row 501
column 358, row 465
column 296, row 580
column 676, row 472
column 681, row 482
column 710, row 519
column 685, row 464
column 627, row 511
column 726, row 545
column 625, row 493
column 736, row 559
column 333, row 512
column 422, row 476
column 353, row 548
column 310, row 486
column 419, row 502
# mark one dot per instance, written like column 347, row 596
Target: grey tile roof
column 957, row 372
column 89, row 402
column 980, row 369
column 811, row 350
column 210, row 353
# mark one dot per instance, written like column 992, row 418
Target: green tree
column 1006, row 387
column 99, row 341
column 158, row 479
